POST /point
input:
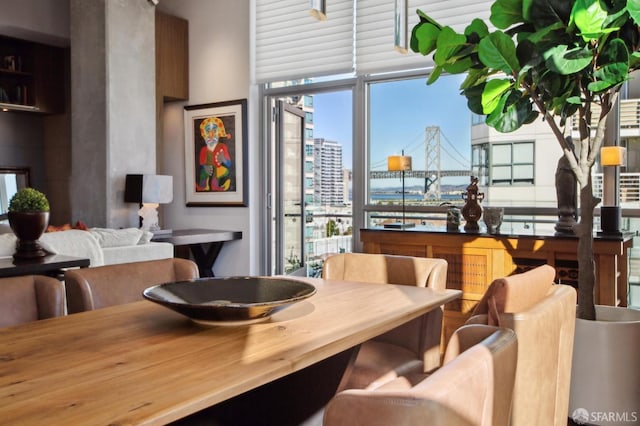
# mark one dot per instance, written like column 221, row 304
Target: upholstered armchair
column 414, row 346
column 30, row 298
column 103, row 286
column 543, row 316
column 473, row 387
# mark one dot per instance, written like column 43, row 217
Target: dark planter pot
column 28, row 227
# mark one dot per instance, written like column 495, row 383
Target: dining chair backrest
column 413, row 346
column 30, row 298
column 543, row 316
column 103, row 286
column 474, row 388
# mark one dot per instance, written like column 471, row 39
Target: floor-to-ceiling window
column 393, row 111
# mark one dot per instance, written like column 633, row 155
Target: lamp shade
column 613, row 156
column 397, row 163
column 148, row 189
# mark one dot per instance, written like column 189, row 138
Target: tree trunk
column 586, row 263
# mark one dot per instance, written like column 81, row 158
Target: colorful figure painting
column 216, row 154
column 215, row 170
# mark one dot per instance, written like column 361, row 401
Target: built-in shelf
column 18, row 107
column 31, row 76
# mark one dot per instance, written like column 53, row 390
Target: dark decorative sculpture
column 471, row 211
column 566, row 195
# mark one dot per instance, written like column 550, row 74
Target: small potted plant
column 28, row 218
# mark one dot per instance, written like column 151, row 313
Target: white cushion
column 7, row 244
column 73, row 242
column 146, row 237
column 116, row 237
column 139, row 253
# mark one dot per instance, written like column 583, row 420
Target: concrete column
column 113, row 122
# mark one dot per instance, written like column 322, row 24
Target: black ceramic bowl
column 229, row 300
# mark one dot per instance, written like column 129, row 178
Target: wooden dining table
column 141, row 363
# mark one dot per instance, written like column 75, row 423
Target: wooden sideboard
column 476, row 259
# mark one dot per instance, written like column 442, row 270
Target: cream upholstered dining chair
column 473, row 387
column 543, row 316
column 414, row 346
column 30, row 298
column 103, row 286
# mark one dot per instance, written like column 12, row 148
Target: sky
column 400, row 111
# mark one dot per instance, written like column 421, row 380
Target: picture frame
column 216, row 154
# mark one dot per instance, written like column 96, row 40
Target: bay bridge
column 433, row 174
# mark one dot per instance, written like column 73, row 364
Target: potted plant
column 553, row 59
column 28, row 218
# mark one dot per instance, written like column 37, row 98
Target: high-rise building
column 328, row 175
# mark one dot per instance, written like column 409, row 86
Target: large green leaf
column 512, row 112
column 448, row 44
column 426, row 36
column 547, row 12
column 458, row 66
column 426, row 18
column 499, row 51
column 566, row 61
column 474, row 98
column 612, row 68
column 474, row 77
column 588, row 16
column 633, row 7
column 526, row 10
column 505, row 13
column 528, row 54
column 478, row 27
column 435, row 74
column 634, row 60
column 546, row 33
column 493, row 91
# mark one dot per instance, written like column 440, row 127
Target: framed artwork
column 216, row 154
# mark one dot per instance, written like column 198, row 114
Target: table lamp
column 399, row 163
column 611, row 158
column 149, row 191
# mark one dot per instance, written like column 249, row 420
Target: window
column 512, row 163
column 407, row 116
column 480, row 163
column 477, row 119
column 308, row 101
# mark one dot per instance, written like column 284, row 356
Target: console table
column 476, row 259
column 48, row 265
column 194, row 242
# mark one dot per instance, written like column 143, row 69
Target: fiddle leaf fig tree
column 554, row 59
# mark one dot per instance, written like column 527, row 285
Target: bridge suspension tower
column 432, row 181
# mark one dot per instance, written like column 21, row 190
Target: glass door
column 290, row 201
column 309, row 180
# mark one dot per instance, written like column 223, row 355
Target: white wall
column 218, row 71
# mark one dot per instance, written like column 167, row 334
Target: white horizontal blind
column 374, row 30
column 290, row 44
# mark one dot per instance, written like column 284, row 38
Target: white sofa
column 102, row 246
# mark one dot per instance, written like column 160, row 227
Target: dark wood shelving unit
column 31, row 76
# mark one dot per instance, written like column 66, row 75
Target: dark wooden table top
column 9, row 267
column 197, row 236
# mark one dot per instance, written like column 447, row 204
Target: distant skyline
column 400, row 111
